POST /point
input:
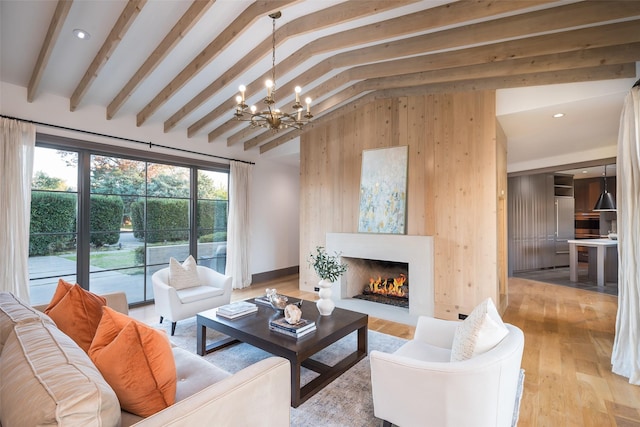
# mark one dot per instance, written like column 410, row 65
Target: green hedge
column 105, row 219
column 52, row 213
column 212, row 216
column 137, row 219
column 165, row 218
column 218, row 236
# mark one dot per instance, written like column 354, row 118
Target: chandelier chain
column 273, row 54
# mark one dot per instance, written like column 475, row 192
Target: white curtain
column 626, row 347
column 238, row 226
column 16, row 162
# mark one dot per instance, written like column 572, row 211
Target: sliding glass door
column 128, row 218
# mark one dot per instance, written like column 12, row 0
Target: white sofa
column 179, row 304
column 419, row 386
column 46, row 379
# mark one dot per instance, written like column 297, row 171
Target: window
column 53, row 232
column 130, row 216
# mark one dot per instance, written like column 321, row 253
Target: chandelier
column 270, row 117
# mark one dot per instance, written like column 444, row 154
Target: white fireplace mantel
column 416, row 251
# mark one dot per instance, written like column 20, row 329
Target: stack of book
column 236, row 309
column 296, row 330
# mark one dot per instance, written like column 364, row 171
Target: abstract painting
column 383, row 191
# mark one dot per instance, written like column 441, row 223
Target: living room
column 294, row 203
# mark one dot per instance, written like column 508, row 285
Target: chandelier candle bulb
column 269, row 85
column 242, row 89
column 298, row 90
column 308, row 101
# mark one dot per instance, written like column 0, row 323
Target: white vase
column 325, row 304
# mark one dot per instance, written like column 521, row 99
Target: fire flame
column 386, row 287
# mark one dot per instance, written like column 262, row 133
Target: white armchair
column 179, row 304
column 419, row 386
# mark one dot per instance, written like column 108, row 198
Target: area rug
column 345, row 402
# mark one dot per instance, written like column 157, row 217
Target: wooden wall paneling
column 501, row 220
column 345, row 189
column 441, row 119
column 466, row 203
column 452, row 185
column 334, row 175
column 311, row 188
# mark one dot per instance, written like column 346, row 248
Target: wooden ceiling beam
column 546, row 63
column 620, row 54
column 177, row 33
column 616, row 71
column 546, row 20
column 238, row 26
column 55, row 26
column 592, row 37
column 603, row 72
column 429, row 19
column 128, row 15
column 342, row 12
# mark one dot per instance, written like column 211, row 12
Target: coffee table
column 254, row 329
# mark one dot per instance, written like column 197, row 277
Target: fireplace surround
column 416, row 251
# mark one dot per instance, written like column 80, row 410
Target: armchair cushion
column 183, row 275
column 419, row 350
column 482, row 330
column 76, row 312
column 198, row 293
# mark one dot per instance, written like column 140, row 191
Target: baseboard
column 275, row 274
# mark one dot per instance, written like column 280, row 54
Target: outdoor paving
column 105, row 281
column 42, row 290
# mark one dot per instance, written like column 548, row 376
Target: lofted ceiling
column 178, row 64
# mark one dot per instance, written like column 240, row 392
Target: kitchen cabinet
column 588, row 190
column 565, row 229
column 540, row 221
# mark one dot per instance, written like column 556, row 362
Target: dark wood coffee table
column 254, row 329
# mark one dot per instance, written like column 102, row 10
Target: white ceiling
column 535, row 140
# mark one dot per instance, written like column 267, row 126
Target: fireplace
column 414, row 252
column 384, row 282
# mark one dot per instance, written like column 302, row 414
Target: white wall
column 275, row 217
column 275, row 195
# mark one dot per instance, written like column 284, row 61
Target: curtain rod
column 150, row 144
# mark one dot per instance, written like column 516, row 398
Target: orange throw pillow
column 76, row 312
column 136, row 361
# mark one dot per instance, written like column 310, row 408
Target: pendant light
column 605, row 202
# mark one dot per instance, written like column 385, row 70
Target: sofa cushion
column 46, row 379
column 482, row 330
column 137, row 361
column 14, row 311
column 183, row 275
column 77, row 312
column 194, row 373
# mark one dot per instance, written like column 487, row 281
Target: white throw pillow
column 185, row 275
column 482, row 330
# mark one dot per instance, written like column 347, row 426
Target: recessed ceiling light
column 558, row 115
column 585, row 171
column 81, row 34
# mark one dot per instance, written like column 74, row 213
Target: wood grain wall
column 457, row 171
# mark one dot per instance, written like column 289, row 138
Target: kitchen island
column 601, row 245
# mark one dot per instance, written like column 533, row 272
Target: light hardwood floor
column 568, row 342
